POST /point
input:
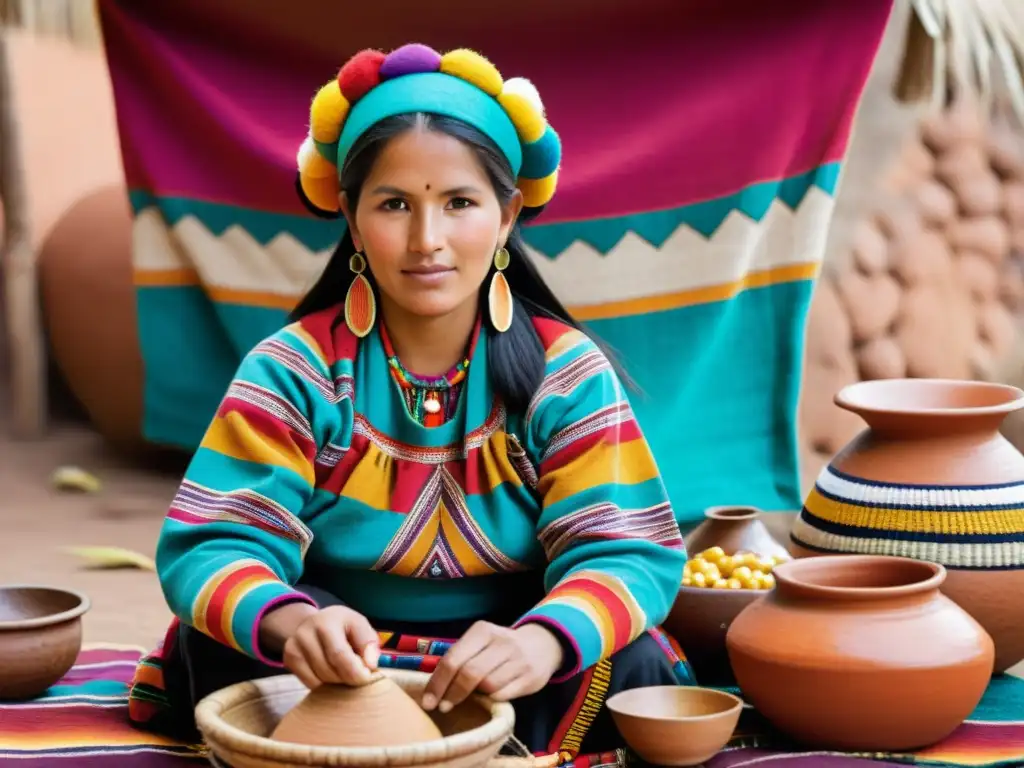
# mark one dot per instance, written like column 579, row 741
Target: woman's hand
column 504, row 663
column 332, row 645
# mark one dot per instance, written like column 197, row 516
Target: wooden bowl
column 40, row 637
column 236, row 723
column 698, row 621
column 675, row 725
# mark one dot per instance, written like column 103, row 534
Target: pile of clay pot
column 933, row 283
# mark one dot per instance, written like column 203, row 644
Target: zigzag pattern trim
column 705, row 217
column 633, row 277
column 549, row 240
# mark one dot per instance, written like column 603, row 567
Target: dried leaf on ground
column 111, row 557
column 75, row 479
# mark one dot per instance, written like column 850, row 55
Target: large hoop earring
column 360, row 303
column 499, row 294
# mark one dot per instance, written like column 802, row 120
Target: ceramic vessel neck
column 858, row 578
column 925, row 425
column 732, row 514
column 912, row 409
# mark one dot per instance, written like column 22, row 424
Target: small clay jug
column 860, row 653
column 931, row 478
column 734, row 529
column 377, row 714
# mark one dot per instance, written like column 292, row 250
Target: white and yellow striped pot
column 931, row 478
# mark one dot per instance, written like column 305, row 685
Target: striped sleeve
column 233, row 541
column 615, row 552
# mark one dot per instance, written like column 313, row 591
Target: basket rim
column 209, row 710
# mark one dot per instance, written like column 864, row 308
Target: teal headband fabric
column 437, row 93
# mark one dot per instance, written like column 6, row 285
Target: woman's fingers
column 474, row 672
column 501, row 676
column 363, row 639
column 517, row 687
column 334, row 645
column 347, row 666
column 295, row 662
column 468, row 646
column 308, row 640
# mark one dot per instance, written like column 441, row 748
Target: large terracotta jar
column 933, row 479
column 860, row 653
column 88, row 302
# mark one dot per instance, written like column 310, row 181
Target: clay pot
column 700, row 617
column 40, row 638
column 238, row 722
column 861, row 654
column 699, row 620
column 872, row 303
column 987, row 235
column 931, row 478
column 88, row 303
column 378, row 714
column 672, row 725
column 882, row 358
column 734, row 529
column 936, row 331
column 870, row 249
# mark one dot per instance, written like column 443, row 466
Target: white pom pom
column 520, row 86
column 306, row 150
column 311, row 163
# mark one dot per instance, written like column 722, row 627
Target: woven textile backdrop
column 703, row 144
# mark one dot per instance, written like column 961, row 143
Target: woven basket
column 236, row 722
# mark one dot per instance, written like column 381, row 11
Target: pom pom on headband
column 510, row 112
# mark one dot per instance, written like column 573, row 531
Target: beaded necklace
column 430, row 400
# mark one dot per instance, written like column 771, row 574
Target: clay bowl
column 699, row 620
column 675, row 725
column 40, row 637
column 236, row 723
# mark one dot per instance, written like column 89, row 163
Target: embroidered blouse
column 313, row 469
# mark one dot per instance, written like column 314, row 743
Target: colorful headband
column 460, row 84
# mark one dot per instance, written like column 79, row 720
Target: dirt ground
column 37, row 522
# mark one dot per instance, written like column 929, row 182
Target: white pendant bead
column 431, row 406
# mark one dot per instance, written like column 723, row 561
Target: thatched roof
column 972, row 48
column 73, row 20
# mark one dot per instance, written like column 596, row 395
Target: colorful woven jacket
column 313, row 469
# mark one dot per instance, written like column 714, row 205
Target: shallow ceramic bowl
column 699, row 620
column 40, row 637
column 236, row 723
column 675, row 725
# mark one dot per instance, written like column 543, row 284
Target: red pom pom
column 360, row 74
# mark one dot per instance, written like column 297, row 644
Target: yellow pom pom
column 526, row 90
column 327, row 114
column 473, row 68
column 538, row 192
column 311, row 163
column 522, row 104
column 322, row 192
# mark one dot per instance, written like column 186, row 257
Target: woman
column 432, row 449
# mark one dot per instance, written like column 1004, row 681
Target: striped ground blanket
column 83, row 722
column 703, row 144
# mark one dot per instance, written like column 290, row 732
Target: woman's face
column 429, row 222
